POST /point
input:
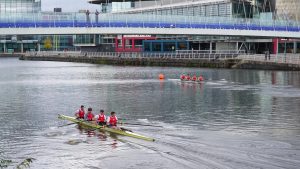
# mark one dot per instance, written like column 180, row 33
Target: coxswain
column 182, row 77
column 89, row 116
column 80, row 113
column 188, row 77
column 200, row 78
column 101, row 118
column 194, row 78
column 112, row 120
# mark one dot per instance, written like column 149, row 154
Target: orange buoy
column 161, row 76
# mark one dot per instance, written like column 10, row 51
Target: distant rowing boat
column 107, row 129
column 187, row 81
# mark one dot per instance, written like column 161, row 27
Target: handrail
column 44, row 19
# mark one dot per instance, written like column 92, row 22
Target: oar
column 66, row 125
column 136, row 124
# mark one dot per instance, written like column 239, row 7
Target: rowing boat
column 191, row 81
column 102, row 128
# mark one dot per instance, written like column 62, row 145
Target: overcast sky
column 67, row 5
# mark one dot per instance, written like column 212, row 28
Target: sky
column 67, row 5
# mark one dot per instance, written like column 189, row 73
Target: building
column 222, row 11
column 20, row 6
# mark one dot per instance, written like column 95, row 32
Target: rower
column 101, row 118
column 89, row 116
column 80, row 113
column 200, row 78
column 188, row 77
column 182, row 77
column 194, row 78
column 112, row 120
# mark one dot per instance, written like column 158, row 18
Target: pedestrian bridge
column 147, row 25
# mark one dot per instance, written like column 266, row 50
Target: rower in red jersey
column 182, row 77
column 112, row 120
column 101, row 118
column 80, row 113
column 200, row 78
column 194, row 78
column 89, row 116
column 188, row 77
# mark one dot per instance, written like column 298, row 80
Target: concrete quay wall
column 205, row 63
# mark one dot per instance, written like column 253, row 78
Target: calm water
column 236, row 119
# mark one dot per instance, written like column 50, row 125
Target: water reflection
column 211, row 124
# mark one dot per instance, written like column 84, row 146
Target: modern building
column 214, row 11
column 20, row 6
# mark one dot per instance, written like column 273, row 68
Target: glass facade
column 20, row 6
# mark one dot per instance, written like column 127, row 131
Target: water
column 236, row 119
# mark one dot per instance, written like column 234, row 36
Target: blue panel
column 197, row 26
column 293, row 29
column 267, row 28
column 101, row 24
column 167, row 25
column 64, row 24
column 212, row 26
column 241, row 26
column 45, row 24
column 254, row 27
column 183, row 25
column 136, row 25
column 151, row 25
column 117, row 24
column 280, row 28
column 226, row 26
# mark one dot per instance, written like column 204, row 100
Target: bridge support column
column 22, row 47
column 210, row 47
column 237, row 47
column 275, row 46
column 4, row 47
column 39, row 47
column 295, row 47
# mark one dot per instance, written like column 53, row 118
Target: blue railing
column 64, row 20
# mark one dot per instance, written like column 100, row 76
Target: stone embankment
column 233, row 63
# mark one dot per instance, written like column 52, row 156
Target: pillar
column 39, row 47
column 4, row 47
column 237, row 47
column 210, row 47
column 295, row 47
column 275, row 46
column 22, row 47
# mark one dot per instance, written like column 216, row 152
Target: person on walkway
column 97, row 16
column 79, row 114
column 89, row 116
column 266, row 55
column 112, row 120
column 101, row 118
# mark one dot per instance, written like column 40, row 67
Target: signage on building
column 136, row 36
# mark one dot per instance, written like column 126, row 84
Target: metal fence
column 276, row 58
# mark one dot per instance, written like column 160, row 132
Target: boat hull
column 103, row 128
